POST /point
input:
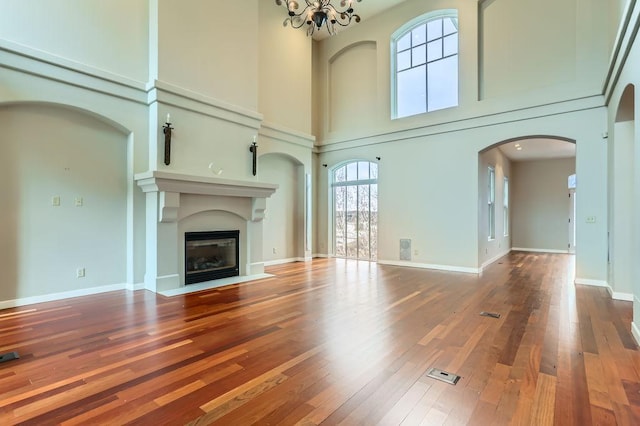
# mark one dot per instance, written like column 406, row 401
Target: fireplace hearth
column 211, row 255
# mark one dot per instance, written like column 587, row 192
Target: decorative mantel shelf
column 157, row 181
column 171, row 185
column 173, row 198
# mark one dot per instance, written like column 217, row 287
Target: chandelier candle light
column 318, row 13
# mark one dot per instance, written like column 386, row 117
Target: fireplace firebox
column 211, row 255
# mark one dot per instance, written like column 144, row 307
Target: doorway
column 572, row 214
column 355, row 210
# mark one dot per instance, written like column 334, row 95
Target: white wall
column 111, row 36
column 56, row 152
column 540, row 208
column 203, row 48
column 624, row 149
column 284, row 221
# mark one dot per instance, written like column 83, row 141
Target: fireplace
column 211, row 255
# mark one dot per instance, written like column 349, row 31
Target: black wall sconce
column 378, row 158
column 254, row 150
column 166, row 129
column 324, row 165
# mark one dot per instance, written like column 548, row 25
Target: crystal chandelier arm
column 344, row 17
column 296, row 20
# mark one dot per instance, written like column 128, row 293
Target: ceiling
column 538, row 149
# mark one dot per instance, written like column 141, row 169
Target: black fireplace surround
column 211, row 255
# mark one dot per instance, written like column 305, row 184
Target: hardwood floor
column 331, row 342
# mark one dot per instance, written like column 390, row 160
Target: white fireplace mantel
column 168, row 208
column 157, row 181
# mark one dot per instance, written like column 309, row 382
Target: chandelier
column 318, row 13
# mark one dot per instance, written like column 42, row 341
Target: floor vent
column 443, row 376
column 490, row 314
column 9, row 356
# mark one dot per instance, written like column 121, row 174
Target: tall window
column 505, row 206
column 425, row 64
column 492, row 203
column 355, row 210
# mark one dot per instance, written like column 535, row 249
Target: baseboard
column 635, row 331
column 5, row 304
column 493, row 259
column 283, row 261
column 135, row 286
column 320, row 255
column 592, row 283
column 208, row 285
column 449, row 268
column 616, row 295
column 626, row 297
column 535, row 250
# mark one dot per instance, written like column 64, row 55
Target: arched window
column 355, row 210
column 424, row 62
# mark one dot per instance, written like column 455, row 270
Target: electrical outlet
column 591, row 219
column 416, row 252
column 80, row 272
column 79, row 201
column 55, row 201
column 274, row 250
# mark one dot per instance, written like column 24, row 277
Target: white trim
column 338, row 142
column 536, row 250
column 134, row 287
column 284, row 134
column 591, row 283
column 213, row 284
column 5, row 304
column 320, row 255
column 44, row 65
column 170, row 94
column 449, row 268
column 626, row 297
column 635, row 332
column 283, row 261
column 493, row 259
column 616, row 295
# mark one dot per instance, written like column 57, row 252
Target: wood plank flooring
column 331, row 342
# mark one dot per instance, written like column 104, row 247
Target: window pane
column 374, row 170
column 434, row 29
column 451, row 45
column 412, row 91
column 363, row 170
column 404, row 60
column 363, row 222
column 434, row 50
column 373, row 198
column 419, row 55
column 450, row 25
column 443, row 83
column 404, row 42
column 418, row 36
column 340, row 175
column 352, row 171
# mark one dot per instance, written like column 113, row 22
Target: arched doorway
column 523, row 192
